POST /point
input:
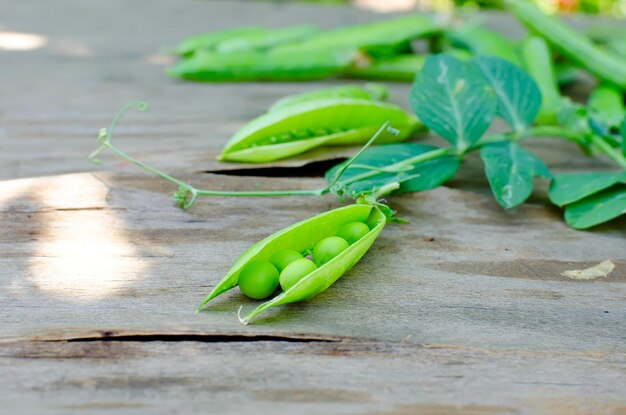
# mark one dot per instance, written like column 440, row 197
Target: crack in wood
column 114, row 336
column 312, row 169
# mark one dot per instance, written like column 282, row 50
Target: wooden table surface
column 462, row 312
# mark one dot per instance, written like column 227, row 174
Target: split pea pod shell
column 375, row 92
column 299, row 128
column 302, row 237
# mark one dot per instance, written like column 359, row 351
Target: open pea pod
column 302, row 237
column 299, row 128
column 371, row 91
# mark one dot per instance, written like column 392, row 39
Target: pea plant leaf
column 405, row 164
column 519, row 98
column 510, row 170
column 596, row 209
column 572, row 187
column 453, row 99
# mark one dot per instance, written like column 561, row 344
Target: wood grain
column 461, row 312
column 346, row 377
column 445, row 278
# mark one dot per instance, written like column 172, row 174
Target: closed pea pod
column 387, row 37
column 484, row 42
column 394, row 68
column 573, row 45
column 538, row 63
column 607, row 103
column 261, row 66
column 210, row 41
column 300, row 128
column 269, row 39
column 301, row 237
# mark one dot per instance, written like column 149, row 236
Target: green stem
column 554, row 132
column 429, row 155
column 187, row 194
column 385, row 190
column 606, row 149
column 385, row 127
column 533, row 132
column 312, row 192
column 559, row 132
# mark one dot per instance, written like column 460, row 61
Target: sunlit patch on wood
column 16, row 41
column 85, row 255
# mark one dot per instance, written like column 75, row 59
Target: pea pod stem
column 188, row 194
column 430, row 155
column 533, row 132
column 610, row 152
column 561, row 133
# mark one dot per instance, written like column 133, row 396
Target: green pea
column 328, row 248
column 283, row 258
column 353, row 231
column 295, row 271
column 258, row 279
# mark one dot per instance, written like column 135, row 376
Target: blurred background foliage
column 615, row 8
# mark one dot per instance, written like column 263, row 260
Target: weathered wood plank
column 87, row 253
column 306, row 378
column 85, row 256
column 50, row 120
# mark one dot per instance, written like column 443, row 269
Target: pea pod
column 302, row 237
column 266, row 40
column 384, row 37
column 607, row 104
column 258, row 66
column 538, row 63
column 299, row 128
column 485, row 42
column 396, row 68
column 566, row 73
column 209, row 41
column 570, row 43
column 376, row 92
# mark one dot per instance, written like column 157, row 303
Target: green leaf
column 596, row 209
column 519, row 98
column 570, row 188
column 453, row 99
column 510, row 170
column 383, row 165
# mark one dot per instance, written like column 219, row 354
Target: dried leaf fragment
column 600, row 270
